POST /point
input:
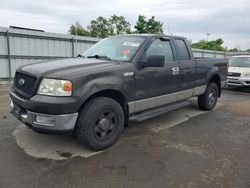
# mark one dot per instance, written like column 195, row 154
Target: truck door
column 187, row 69
column 154, row 84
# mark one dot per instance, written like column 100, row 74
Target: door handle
column 175, row 70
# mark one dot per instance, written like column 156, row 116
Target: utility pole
column 208, row 34
column 169, row 31
column 76, row 37
column 76, row 29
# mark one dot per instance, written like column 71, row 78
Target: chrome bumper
column 238, row 81
column 62, row 122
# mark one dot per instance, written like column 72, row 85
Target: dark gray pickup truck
column 119, row 79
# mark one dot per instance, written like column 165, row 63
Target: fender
column 103, row 83
column 214, row 71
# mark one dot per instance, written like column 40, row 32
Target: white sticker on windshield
column 134, row 44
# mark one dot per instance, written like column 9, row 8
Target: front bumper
column 238, row 81
column 47, row 104
column 58, row 123
column 55, row 114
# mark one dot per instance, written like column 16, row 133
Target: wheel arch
column 113, row 94
column 217, row 80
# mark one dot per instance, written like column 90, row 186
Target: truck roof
column 151, row 35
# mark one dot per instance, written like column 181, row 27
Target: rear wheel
column 100, row 123
column 208, row 100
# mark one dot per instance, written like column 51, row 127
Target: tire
column 100, row 123
column 208, row 100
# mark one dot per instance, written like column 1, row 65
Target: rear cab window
column 182, row 50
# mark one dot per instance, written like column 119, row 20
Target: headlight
column 246, row 74
column 55, row 87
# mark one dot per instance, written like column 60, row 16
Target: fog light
column 45, row 120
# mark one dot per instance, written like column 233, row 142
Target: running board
column 157, row 111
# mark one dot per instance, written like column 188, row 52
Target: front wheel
column 208, row 100
column 100, row 123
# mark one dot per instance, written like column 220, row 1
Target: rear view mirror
column 154, row 61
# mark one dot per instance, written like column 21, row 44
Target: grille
column 24, row 83
column 234, row 74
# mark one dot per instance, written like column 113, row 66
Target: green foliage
column 77, row 29
column 100, row 27
column 233, row 50
column 148, row 26
column 115, row 25
column 210, row 45
column 119, row 25
column 103, row 27
column 248, row 50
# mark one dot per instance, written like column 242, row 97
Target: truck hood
column 63, row 67
column 241, row 70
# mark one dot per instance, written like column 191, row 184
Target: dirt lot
column 184, row 148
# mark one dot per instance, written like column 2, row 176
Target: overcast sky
column 229, row 20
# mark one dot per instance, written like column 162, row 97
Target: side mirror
column 154, row 61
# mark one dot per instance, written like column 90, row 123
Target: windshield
column 120, row 48
column 240, row 62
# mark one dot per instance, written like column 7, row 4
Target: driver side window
column 160, row 47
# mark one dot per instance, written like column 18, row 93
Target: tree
column 77, row 29
column 119, row 25
column 148, row 26
column 103, row 27
column 115, row 25
column 100, row 28
column 233, row 50
column 210, row 45
column 248, row 50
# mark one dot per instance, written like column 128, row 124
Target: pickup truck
column 120, row 79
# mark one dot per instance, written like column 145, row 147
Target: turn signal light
column 67, row 86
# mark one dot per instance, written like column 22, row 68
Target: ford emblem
column 21, row 82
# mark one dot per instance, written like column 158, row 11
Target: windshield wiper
column 99, row 57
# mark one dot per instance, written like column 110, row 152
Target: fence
column 208, row 54
column 230, row 54
column 21, row 47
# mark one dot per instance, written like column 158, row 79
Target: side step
column 157, row 111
